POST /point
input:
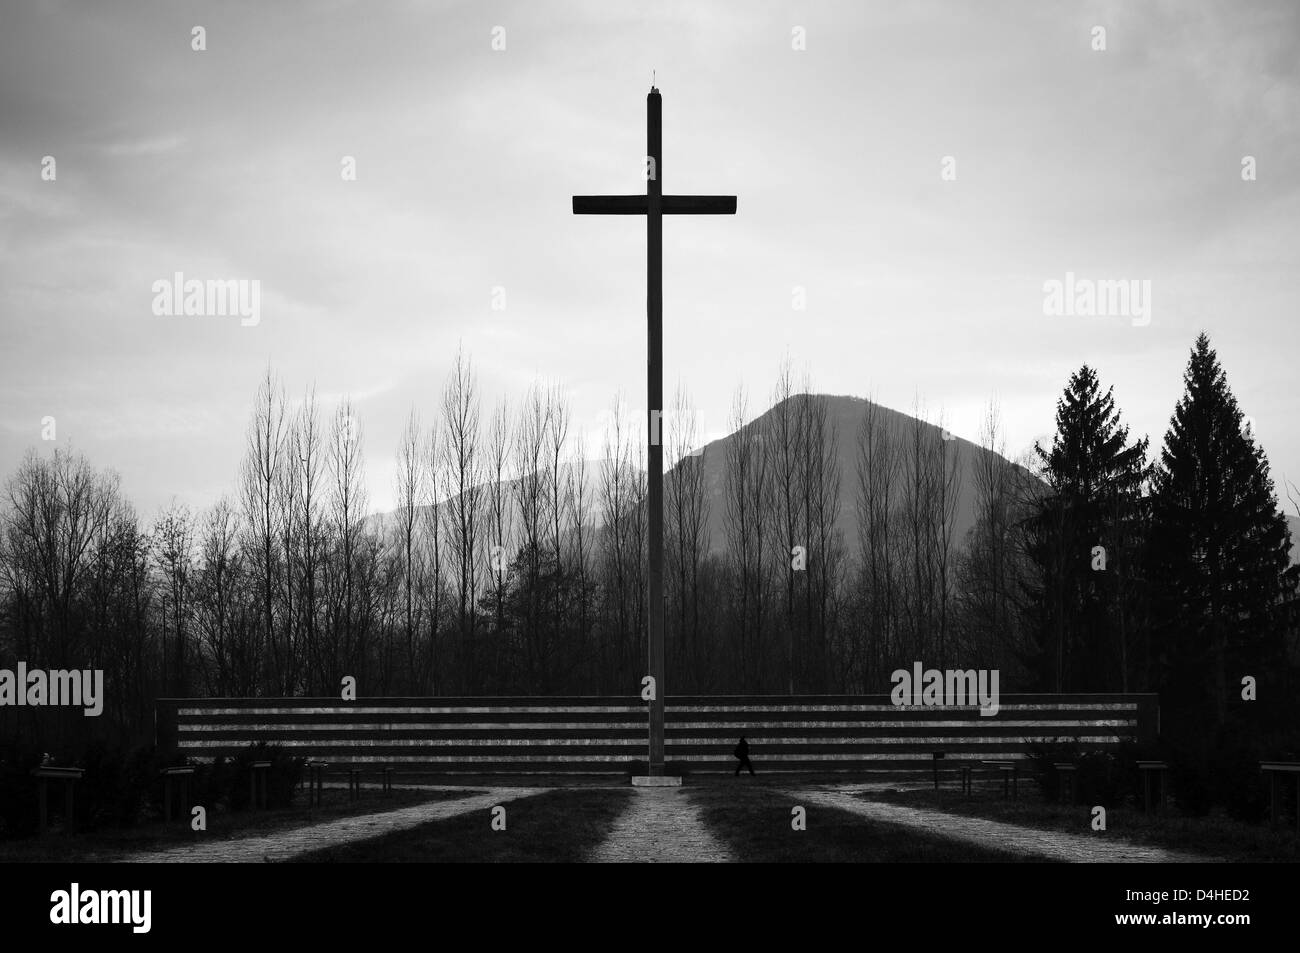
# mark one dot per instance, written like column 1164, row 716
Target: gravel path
column 660, row 826
column 1074, row 848
column 281, row 845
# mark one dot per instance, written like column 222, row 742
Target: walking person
column 742, row 752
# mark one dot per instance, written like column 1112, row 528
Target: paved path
column 660, row 826
column 1074, row 848
column 281, row 845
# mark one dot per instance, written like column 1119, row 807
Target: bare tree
column 173, row 538
column 118, row 608
column 498, row 507
column 221, row 616
column 306, row 452
column 67, row 542
column 686, row 505
column 580, row 531
column 747, row 487
column 618, row 501
column 262, row 461
column 639, row 549
column 820, row 483
column 464, row 506
column 347, row 510
column 410, row 496
column 987, row 571
column 945, row 487
column 788, row 431
column 531, row 501
column 919, row 503
column 435, row 487
column 879, row 464
column 288, row 485
column 557, row 433
column 695, row 538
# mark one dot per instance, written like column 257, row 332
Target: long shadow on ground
column 110, row 844
column 558, row 826
column 1213, row 835
column 755, row 821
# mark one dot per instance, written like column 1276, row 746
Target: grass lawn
column 1214, row 835
column 754, row 821
column 557, row 826
column 109, row 844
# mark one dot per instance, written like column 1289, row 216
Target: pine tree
column 1085, row 536
column 1218, row 555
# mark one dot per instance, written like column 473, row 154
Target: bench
column 1158, row 769
column 1010, row 776
column 257, row 781
column 174, row 777
column 963, row 770
column 69, row 777
column 1273, row 769
column 862, row 735
column 354, row 782
column 1067, row 772
column 315, row 772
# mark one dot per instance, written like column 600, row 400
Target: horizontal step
column 671, row 701
column 704, row 728
column 606, row 734
column 350, row 722
column 632, row 711
column 911, row 762
column 192, row 710
column 757, row 744
column 397, row 753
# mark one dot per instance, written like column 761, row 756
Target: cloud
column 226, row 163
column 144, row 147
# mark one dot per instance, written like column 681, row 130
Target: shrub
column 18, row 812
column 122, row 787
column 1189, row 782
column 1106, row 776
column 212, row 783
column 281, row 782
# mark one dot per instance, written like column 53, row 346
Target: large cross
column 654, row 205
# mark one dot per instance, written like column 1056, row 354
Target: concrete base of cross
column 644, row 781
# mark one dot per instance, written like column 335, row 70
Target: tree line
column 513, row 564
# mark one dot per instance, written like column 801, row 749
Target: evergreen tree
column 1218, row 556
column 1084, row 535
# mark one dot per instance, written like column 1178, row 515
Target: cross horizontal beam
column 669, row 205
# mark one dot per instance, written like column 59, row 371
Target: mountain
column 844, row 419
column 386, row 523
column 844, row 416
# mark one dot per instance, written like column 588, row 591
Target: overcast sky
column 226, row 164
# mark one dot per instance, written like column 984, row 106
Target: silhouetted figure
column 742, row 752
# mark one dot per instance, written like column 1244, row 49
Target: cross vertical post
column 654, row 205
column 654, row 223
